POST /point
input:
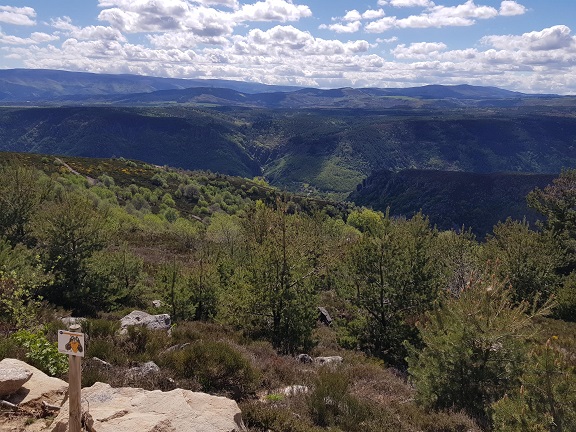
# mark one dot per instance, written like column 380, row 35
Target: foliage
column 22, row 192
column 216, row 366
column 557, row 202
column 526, row 258
column 394, row 281
column 21, row 275
column 331, row 403
column 474, row 348
column 69, row 230
column 41, row 353
column 546, row 399
column 114, row 279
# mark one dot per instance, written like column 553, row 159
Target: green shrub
column 271, row 417
column 217, row 367
column 41, row 353
column 331, row 404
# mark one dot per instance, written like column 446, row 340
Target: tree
column 545, row 400
column 527, row 259
column 114, row 278
column 69, row 230
column 557, row 202
column 22, row 192
column 277, row 272
column 474, row 348
column 395, row 280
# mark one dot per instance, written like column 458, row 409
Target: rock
column 331, row 360
column 130, row 409
column 68, row 321
column 294, row 390
column 304, row 358
column 176, row 347
column 153, row 322
column 324, row 316
column 148, row 368
column 12, row 376
column 100, row 362
column 37, row 387
column 157, row 303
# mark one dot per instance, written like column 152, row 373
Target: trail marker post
column 72, row 343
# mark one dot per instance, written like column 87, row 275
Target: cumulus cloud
column 350, row 27
column 436, row 16
column 511, row 8
column 419, row 50
column 273, row 10
column 553, row 38
column 281, row 41
column 17, row 15
column 35, row 38
column 406, row 3
column 86, row 33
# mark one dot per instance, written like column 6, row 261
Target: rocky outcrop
column 130, row 409
column 330, row 360
column 153, row 322
column 37, row 387
column 13, row 375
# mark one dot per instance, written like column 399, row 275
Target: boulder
column 294, row 390
column 153, row 322
column 131, row 409
column 39, row 386
column 330, row 360
column 148, row 368
column 12, row 376
column 304, row 358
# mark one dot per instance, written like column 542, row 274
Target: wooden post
column 74, row 389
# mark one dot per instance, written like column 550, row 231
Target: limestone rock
column 330, row 360
column 38, row 386
column 130, row 409
column 153, row 322
column 12, row 376
column 148, row 368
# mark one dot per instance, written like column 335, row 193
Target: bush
column 331, row 404
column 217, row 367
column 474, row 349
column 41, row 353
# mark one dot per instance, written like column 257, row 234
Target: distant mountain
column 452, row 199
column 41, row 87
column 22, row 85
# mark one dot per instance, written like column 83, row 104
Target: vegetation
column 437, row 331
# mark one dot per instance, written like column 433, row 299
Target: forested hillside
column 452, row 199
column 326, row 152
column 435, row 330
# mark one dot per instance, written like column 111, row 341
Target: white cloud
column 553, row 38
column 273, row 10
column 511, row 8
column 86, row 33
column 35, row 38
column 406, row 3
column 352, row 15
column 419, row 50
column 350, row 27
column 17, row 15
column 437, row 16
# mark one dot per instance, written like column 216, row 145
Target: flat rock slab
column 38, row 386
column 13, row 375
column 153, row 322
column 130, row 409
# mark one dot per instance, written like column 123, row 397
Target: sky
column 522, row 45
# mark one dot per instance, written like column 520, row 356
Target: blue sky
column 524, row 45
